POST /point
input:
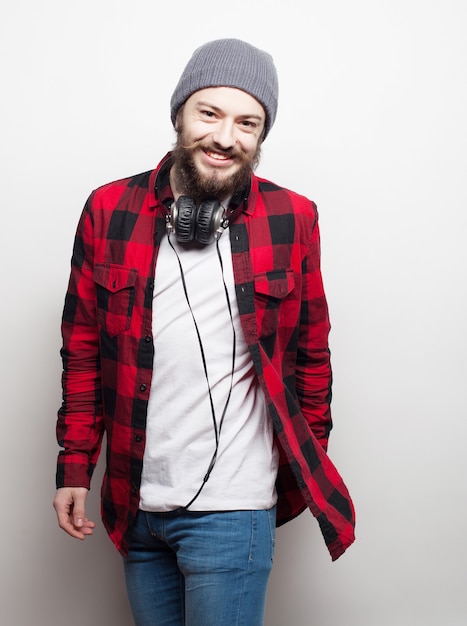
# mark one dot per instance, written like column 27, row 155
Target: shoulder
column 116, row 188
column 283, row 199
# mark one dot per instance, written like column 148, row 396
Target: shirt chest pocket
column 115, row 288
column 271, row 288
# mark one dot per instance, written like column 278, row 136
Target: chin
column 217, row 173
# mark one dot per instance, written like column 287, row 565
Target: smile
column 217, row 156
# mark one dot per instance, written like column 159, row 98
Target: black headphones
column 203, row 222
column 191, row 222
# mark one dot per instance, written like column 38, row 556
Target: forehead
column 227, row 99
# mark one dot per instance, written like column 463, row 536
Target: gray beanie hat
column 230, row 63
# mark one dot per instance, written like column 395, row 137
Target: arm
column 313, row 374
column 80, row 422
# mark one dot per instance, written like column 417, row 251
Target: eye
column 249, row 125
column 207, row 113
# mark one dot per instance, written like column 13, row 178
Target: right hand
column 70, row 507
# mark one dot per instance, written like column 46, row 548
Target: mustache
column 234, row 152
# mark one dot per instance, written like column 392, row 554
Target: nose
column 224, row 134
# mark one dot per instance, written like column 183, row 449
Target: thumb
column 79, row 507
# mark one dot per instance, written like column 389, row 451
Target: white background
column 372, row 126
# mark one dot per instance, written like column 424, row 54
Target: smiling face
column 218, row 145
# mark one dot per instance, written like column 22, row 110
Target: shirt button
column 138, row 438
column 148, row 338
column 143, row 387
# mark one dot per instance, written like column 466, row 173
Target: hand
column 70, row 506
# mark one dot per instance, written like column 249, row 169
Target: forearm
column 79, row 428
column 313, row 383
column 80, row 422
column 313, row 370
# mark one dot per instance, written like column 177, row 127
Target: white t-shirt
column 180, row 432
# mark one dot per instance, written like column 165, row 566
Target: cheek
column 193, row 132
column 249, row 145
column 199, row 129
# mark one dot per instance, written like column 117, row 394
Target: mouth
column 215, row 157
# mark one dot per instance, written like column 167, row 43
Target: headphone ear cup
column 185, row 219
column 208, row 220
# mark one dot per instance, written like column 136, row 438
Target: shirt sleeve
column 80, row 422
column 313, row 372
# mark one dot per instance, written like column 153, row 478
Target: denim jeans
column 189, row 568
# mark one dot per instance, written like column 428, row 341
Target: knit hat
column 230, row 63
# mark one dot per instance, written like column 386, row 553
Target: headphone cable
column 217, row 429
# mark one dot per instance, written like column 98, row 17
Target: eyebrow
column 205, row 103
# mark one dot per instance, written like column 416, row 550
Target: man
column 195, row 336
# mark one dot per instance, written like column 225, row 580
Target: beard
column 191, row 182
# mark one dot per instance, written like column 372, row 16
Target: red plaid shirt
column 108, row 347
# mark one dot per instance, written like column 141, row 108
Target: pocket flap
column 114, row 277
column 276, row 284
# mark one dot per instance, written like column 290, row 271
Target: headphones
column 191, row 222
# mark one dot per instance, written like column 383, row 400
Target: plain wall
column 372, row 126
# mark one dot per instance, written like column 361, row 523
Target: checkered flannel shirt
column 107, row 348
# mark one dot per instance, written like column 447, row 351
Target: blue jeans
column 187, row 568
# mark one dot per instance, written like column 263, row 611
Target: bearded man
column 195, row 335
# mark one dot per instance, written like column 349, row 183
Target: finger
column 88, row 527
column 67, row 525
column 78, row 513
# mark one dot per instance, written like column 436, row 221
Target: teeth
column 216, row 155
